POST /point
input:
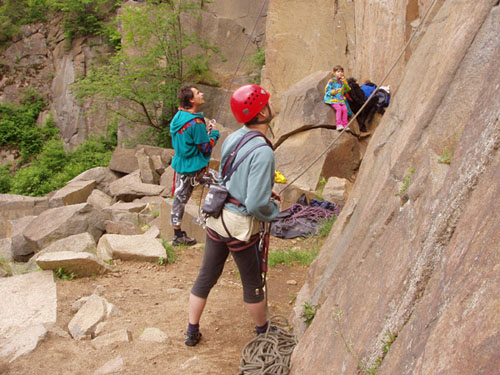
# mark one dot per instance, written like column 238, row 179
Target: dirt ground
column 153, row 295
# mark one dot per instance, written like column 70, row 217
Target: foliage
column 54, row 166
column 406, row 182
column 309, row 312
column 6, row 266
column 18, row 126
column 326, row 226
column 171, row 253
column 64, row 275
column 5, row 179
column 445, row 158
column 321, row 186
column 146, row 73
column 290, row 257
column 15, row 13
column 257, row 60
column 84, row 17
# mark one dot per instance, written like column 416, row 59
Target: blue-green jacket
column 252, row 182
column 191, row 143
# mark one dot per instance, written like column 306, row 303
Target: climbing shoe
column 272, row 329
column 183, row 239
column 193, row 338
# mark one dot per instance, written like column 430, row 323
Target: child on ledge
column 334, row 95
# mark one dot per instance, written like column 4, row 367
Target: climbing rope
column 366, row 103
column 269, row 353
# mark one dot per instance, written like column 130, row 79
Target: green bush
column 15, row 13
column 18, row 125
column 5, row 179
column 54, row 167
column 84, row 17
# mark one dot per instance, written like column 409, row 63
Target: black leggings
column 248, row 262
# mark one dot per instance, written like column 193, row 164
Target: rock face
column 414, row 254
column 304, row 37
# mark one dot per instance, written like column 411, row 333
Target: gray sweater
column 253, row 180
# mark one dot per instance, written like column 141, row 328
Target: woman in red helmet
column 252, row 201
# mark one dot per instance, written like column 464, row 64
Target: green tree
column 15, row 13
column 83, row 17
column 147, row 71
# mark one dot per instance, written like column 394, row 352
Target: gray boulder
column 62, row 222
column 103, row 176
column 131, row 187
column 80, row 264
column 73, row 193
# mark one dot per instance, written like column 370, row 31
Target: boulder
column 127, row 206
column 99, row 200
column 73, row 193
column 80, row 264
column 131, row 187
column 17, row 206
column 121, row 227
column 19, row 341
column 113, row 338
column 114, row 366
column 336, row 190
column 103, row 176
column 21, row 249
column 123, row 160
column 167, row 181
column 148, row 173
column 158, row 165
column 77, row 243
column 152, row 334
column 292, row 193
column 85, row 321
column 62, row 222
column 138, row 247
column 32, row 300
column 341, row 160
column 5, row 249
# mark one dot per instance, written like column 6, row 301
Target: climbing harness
column 367, row 101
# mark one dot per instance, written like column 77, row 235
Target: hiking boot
column 183, row 239
column 272, row 329
column 192, row 339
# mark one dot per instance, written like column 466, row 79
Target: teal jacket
column 253, row 180
column 191, row 143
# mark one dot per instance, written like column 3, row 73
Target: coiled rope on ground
column 269, row 353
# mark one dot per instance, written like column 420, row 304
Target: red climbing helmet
column 247, row 101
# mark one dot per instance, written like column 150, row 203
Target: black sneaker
column 272, row 329
column 192, row 339
column 183, row 239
